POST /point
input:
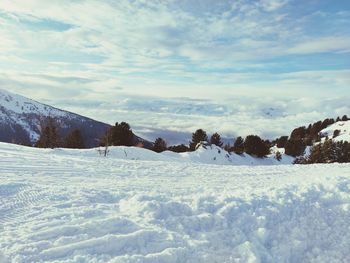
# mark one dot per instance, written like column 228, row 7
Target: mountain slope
column 21, row 118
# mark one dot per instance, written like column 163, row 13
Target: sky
column 168, row 67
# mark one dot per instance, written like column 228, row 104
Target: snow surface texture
column 76, row 206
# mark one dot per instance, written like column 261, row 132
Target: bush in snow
column 278, row 156
column 179, row 148
column 336, row 133
column 345, row 118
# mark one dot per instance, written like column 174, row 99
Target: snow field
column 74, row 206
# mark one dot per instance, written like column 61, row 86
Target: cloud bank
column 223, row 53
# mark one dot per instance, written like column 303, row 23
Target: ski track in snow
column 59, row 207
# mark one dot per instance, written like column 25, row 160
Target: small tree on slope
column 197, row 137
column 216, row 139
column 159, row 145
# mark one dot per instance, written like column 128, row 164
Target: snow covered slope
column 206, row 155
column 213, row 154
column 73, row 206
column 344, row 131
column 20, row 120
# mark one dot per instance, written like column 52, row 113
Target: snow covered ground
column 75, row 206
column 344, row 131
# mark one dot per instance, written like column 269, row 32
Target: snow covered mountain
column 20, row 120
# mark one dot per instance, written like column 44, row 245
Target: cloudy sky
column 237, row 67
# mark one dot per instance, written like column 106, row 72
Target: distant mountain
column 21, row 118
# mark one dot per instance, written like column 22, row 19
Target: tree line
column 295, row 144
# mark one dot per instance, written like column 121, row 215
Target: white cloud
column 272, row 5
column 319, row 45
column 221, row 50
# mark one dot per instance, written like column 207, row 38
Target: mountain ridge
column 21, row 119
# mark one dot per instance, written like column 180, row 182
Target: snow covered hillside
column 76, row 206
column 20, row 120
column 343, row 128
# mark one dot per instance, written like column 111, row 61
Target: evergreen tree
column 281, row 142
column 345, row 118
column 121, row 134
column 49, row 137
column 74, row 140
column 228, row 148
column 298, row 133
column 343, row 152
column 238, row 146
column 316, row 128
column 328, row 152
column 326, row 123
column 216, row 139
column 159, row 145
column 197, row 137
column 254, row 145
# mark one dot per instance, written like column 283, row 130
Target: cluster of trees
column 118, row 135
column 327, row 152
column 303, row 136
column 50, row 137
column 252, row 144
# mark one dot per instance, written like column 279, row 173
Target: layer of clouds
column 155, row 44
column 176, row 118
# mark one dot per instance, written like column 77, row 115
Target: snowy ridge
column 14, row 109
column 19, row 104
column 56, row 206
column 20, row 120
column 344, row 131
